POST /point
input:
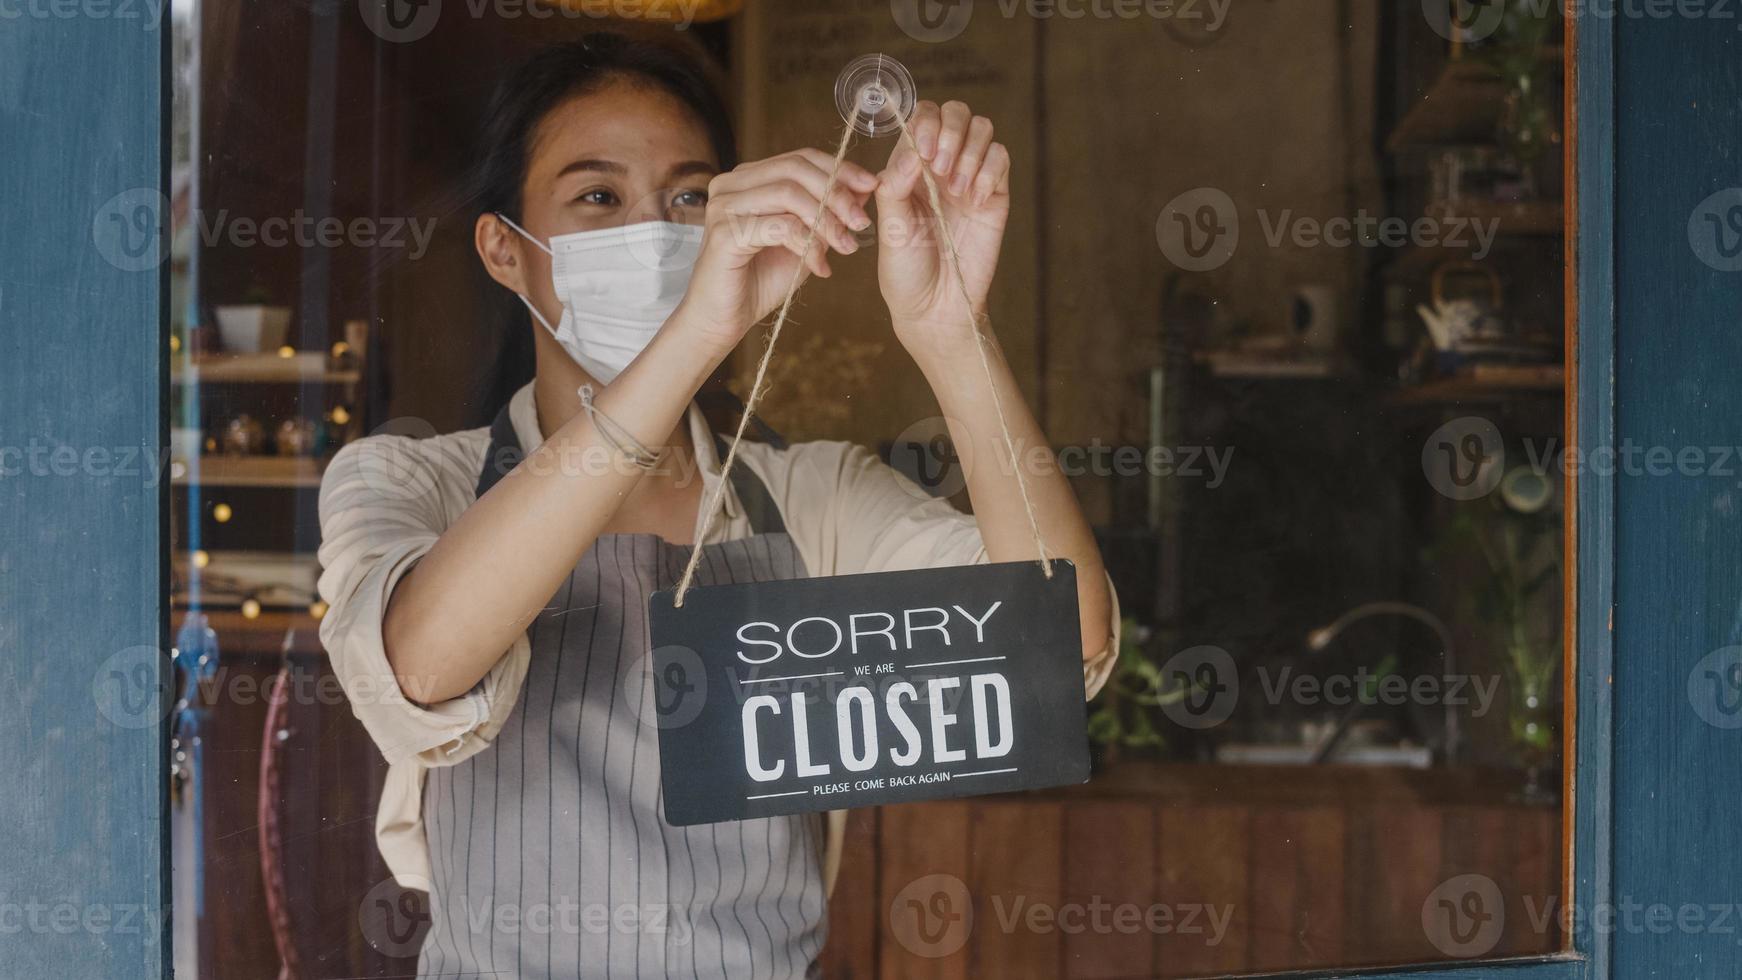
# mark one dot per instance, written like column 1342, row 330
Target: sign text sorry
column 828, row 693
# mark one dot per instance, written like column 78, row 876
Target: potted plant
column 253, row 325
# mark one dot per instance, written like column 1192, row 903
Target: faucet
column 1322, row 637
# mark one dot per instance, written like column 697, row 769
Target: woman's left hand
column 973, row 177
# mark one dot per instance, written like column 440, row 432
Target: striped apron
column 549, row 850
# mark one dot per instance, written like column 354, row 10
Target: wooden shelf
column 1486, row 383
column 304, row 367
column 264, row 633
column 288, row 472
column 1274, row 365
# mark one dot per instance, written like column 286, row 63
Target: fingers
column 994, row 175
column 747, row 208
column 976, row 141
column 952, row 133
column 924, row 124
column 808, row 167
column 957, row 147
column 788, row 232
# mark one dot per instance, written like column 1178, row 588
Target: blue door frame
column 83, row 854
column 83, row 627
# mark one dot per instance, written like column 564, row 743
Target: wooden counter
column 1312, row 866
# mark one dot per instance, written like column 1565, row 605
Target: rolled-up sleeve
column 850, row 512
column 384, row 502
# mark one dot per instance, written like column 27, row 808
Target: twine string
column 756, row 387
column 981, row 339
column 953, row 260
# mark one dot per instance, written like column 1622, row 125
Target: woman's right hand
column 758, row 219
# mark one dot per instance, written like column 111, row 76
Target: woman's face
column 624, row 153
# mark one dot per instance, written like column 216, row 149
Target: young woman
column 488, row 619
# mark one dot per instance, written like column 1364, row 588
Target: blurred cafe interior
column 1279, row 279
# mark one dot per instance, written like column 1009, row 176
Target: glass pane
column 1281, row 284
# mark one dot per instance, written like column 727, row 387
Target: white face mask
column 617, row 287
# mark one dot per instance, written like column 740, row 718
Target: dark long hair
column 528, row 93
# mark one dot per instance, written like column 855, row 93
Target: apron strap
column 504, row 454
column 753, row 496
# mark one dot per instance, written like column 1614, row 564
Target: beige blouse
column 386, row 499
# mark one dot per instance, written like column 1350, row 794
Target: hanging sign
column 856, row 690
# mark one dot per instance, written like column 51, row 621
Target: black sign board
column 854, row 690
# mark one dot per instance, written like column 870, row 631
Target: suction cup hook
column 881, row 89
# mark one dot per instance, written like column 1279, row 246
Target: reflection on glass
column 1286, row 290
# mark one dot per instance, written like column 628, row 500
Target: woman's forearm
column 489, row 574
column 959, row 382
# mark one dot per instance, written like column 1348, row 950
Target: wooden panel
column 1515, row 848
column 1019, row 854
column 1297, row 861
column 851, row 952
column 1395, row 861
column 1202, row 857
column 922, row 891
column 1110, row 861
column 84, row 661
